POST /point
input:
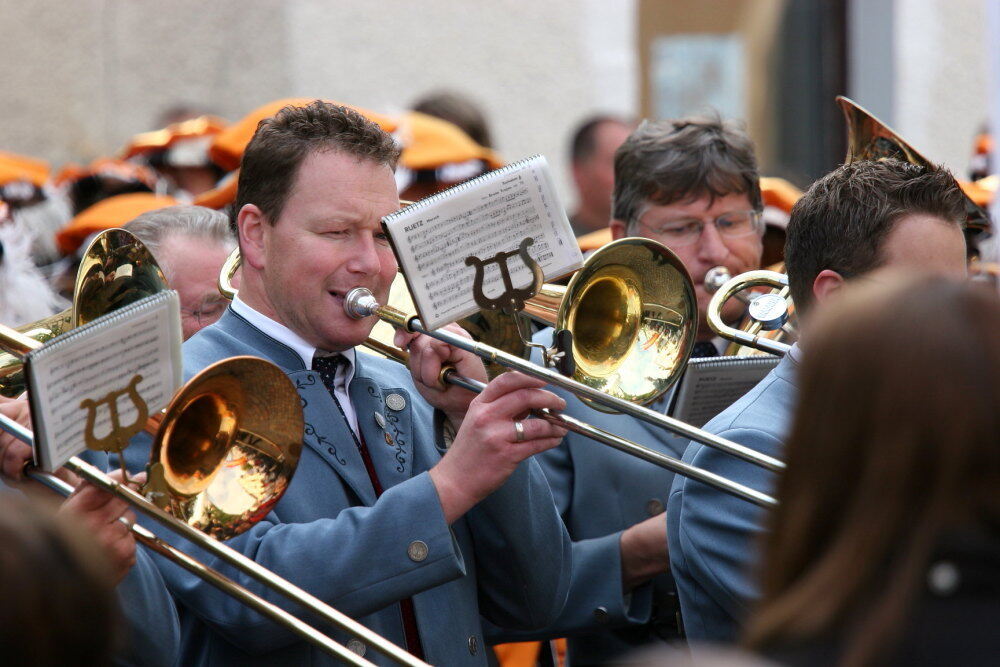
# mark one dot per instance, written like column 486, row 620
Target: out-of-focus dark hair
column 667, row 161
column 58, row 605
column 841, row 222
column 459, row 110
column 282, row 142
column 894, row 445
column 584, row 141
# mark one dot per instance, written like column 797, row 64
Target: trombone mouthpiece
column 715, row 278
column 360, row 303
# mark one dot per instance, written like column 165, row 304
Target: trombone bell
column 633, row 314
column 117, row 269
column 228, row 445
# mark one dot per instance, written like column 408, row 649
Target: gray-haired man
column 691, row 184
column 190, row 243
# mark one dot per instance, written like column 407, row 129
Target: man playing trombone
column 693, row 185
column 413, row 508
column 856, row 219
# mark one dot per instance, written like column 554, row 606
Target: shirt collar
column 286, row 336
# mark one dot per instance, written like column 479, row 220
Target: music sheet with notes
column 98, row 363
column 482, row 217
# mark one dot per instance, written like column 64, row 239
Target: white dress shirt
column 284, row 335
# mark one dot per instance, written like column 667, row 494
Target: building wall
column 82, row 76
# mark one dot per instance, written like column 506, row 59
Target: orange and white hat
column 435, row 150
column 107, row 214
column 22, row 178
column 183, row 144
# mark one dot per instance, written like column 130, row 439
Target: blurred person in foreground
column 885, row 548
column 58, row 606
column 145, row 616
column 592, row 162
column 693, row 185
column 190, row 243
column 858, row 218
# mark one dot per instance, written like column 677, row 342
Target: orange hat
column 229, row 144
column 981, row 192
column 106, row 167
column 107, row 214
column 430, row 143
column 779, row 193
column 21, row 168
column 222, row 195
column 203, row 126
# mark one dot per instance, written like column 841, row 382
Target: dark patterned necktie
column 704, row 348
column 327, row 367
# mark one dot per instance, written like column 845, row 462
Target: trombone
column 116, row 270
column 604, row 304
column 768, row 312
column 868, row 138
column 193, row 465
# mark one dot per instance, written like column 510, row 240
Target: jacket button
column 356, row 646
column 417, row 551
column 601, row 614
column 654, row 507
column 473, row 645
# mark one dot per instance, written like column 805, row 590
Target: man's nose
column 365, row 257
column 711, row 247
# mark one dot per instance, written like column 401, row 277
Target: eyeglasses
column 688, row 230
column 208, row 311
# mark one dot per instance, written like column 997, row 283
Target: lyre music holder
column 512, row 299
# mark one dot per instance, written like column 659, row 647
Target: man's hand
column 427, row 357
column 15, row 454
column 644, row 552
column 99, row 513
column 486, row 449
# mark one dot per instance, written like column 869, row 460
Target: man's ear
column 252, row 229
column 826, row 284
column 617, row 229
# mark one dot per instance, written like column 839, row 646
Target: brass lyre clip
column 512, row 299
column 118, row 435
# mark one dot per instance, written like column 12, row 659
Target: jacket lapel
column 385, row 420
column 327, row 433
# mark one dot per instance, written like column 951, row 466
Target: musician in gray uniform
column 693, row 185
column 856, row 219
column 383, row 519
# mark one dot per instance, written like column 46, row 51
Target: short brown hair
column 667, row 161
column 893, row 445
column 282, row 142
column 841, row 222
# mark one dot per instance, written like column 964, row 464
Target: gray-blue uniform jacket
column 713, row 536
column 600, row 492
column 507, row 559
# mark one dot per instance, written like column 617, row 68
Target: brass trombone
column 116, row 270
column 239, row 415
column 768, row 312
column 868, row 138
column 202, row 470
column 603, row 306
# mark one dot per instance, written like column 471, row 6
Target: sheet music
column 91, row 361
column 483, row 217
column 711, row 384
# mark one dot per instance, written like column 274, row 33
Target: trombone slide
column 229, row 555
column 360, row 303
